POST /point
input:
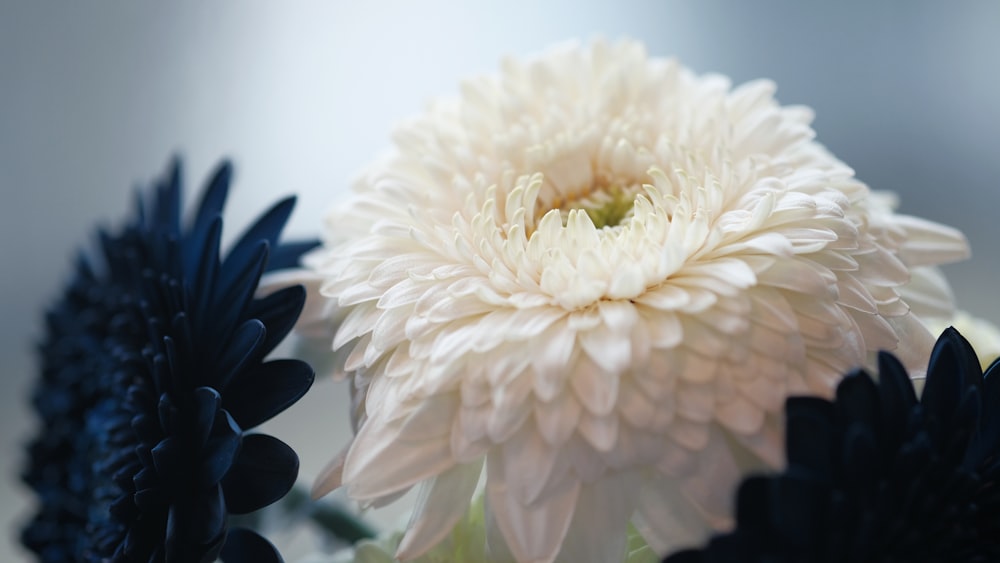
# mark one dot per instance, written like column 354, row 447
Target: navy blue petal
column 985, row 449
column 278, row 311
column 898, row 398
column 953, row 367
column 206, row 404
column 287, row 255
column 264, row 471
column 167, row 207
column 809, row 427
column 266, row 229
column 234, row 291
column 246, row 546
column 221, row 451
column 208, row 266
column 209, row 211
column 196, row 532
column 242, row 350
column 267, row 389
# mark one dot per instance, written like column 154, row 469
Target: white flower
column 598, row 275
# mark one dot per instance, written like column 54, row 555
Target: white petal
column 432, row 418
column 767, row 444
column 531, row 533
column 696, row 401
column 665, row 329
column 714, row 482
column 557, row 419
column 550, row 353
column 594, row 386
column 331, row 477
column 740, row 415
column 881, row 268
column 771, row 309
column 511, row 406
column 854, row 294
column 666, row 518
column 528, row 462
column 358, row 321
column 915, row 343
column 928, row 293
column 441, row 503
column 601, row 432
column 406, row 292
column 636, row 407
column 628, row 282
column 800, row 276
column 692, row 435
column 598, row 532
column 929, row 243
column 468, row 435
column 665, row 297
column 379, row 463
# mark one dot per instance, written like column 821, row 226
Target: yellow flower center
column 606, row 206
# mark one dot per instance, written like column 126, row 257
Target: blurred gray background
column 94, row 98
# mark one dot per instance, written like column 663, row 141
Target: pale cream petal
column 598, row 532
column 557, row 419
column 713, row 482
column 929, row 243
column 379, row 464
column 666, row 519
column 528, row 462
column 440, row 504
column 595, row 386
column 533, row 534
column 601, row 432
column 740, row 415
column 928, row 293
column 331, row 477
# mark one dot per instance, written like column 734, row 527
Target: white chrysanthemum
column 598, row 275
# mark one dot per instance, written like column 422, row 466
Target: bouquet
column 596, row 308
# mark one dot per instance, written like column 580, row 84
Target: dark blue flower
column 878, row 475
column 153, row 371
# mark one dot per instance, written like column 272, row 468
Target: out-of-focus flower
column 598, row 275
column 879, row 475
column 153, row 371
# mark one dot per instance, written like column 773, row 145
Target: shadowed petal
column 278, row 311
column 265, row 230
column 244, row 545
column 264, row 390
column 264, row 471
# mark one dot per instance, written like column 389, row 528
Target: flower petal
column 532, row 533
column 266, row 389
column 246, row 545
column 442, row 502
column 264, row 471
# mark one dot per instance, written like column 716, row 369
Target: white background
column 94, row 98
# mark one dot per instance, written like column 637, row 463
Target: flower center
column 606, row 206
